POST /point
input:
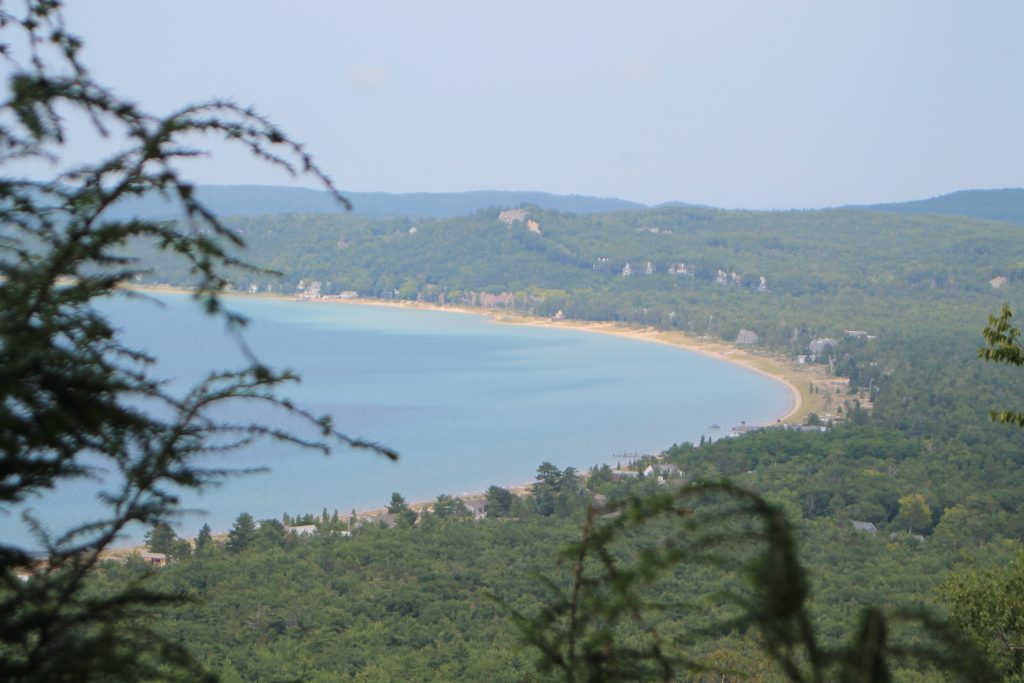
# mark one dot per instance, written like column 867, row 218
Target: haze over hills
column 997, row 205
column 251, row 200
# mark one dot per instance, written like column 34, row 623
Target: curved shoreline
column 674, row 339
column 769, row 366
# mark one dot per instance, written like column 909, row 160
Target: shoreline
column 767, row 365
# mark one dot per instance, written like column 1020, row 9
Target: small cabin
column 155, row 559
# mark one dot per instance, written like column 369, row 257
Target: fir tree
column 73, row 396
column 242, row 533
column 204, row 541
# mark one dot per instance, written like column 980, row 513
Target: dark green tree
column 598, row 475
column 448, row 506
column 499, row 501
column 161, row 538
column 545, row 490
column 242, row 534
column 204, row 541
column 406, row 518
column 569, row 482
column 269, row 533
column 182, row 549
column 555, row 491
column 397, row 503
column 549, row 475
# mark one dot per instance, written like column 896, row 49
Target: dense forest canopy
column 930, row 481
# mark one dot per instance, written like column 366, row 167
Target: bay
column 466, row 401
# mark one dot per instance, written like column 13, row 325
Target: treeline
column 415, row 598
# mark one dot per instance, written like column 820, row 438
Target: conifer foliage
column 74, row 400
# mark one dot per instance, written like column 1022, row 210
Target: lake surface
column 466, row 402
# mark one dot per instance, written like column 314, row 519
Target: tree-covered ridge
column 799, row 253
column 251, row 200
column 247, row 200
column 825, row 271
column 997, row 205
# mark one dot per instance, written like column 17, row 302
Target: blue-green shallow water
column 467, row 402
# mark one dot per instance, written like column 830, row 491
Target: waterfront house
column 155, row 559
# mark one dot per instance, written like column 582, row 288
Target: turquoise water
column 466, row 402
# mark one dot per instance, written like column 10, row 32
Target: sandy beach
column 768, row 365
column 795, row 378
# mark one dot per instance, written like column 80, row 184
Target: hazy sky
column 735, row 104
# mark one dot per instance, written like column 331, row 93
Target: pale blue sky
column 735, row 104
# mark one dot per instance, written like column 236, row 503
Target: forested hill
column 998, row 205
column 894, row 301
column 922, row 284
column 250, row 200
column 690, row 268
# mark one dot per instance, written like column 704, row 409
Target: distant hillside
column 254, row 200
column 783, row 275
column 997, row 205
